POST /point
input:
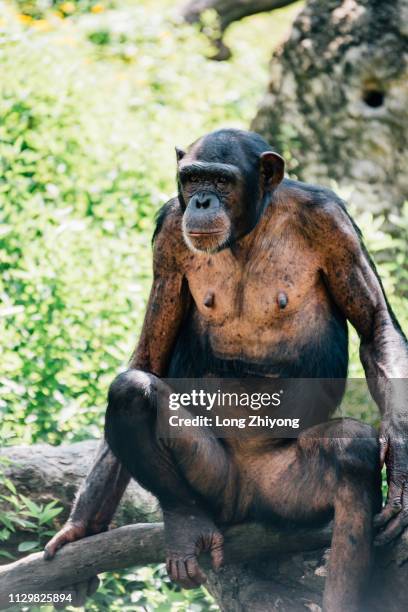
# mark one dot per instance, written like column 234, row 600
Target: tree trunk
column 337, row 102
column 265, row 569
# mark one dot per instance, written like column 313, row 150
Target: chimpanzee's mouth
column 206, row 241
column 201, row 234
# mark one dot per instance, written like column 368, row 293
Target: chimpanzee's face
column 214, row 214
column 222, row 186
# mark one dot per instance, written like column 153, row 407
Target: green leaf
column 35, row 510
column 4, row 553
column 49, row 514
column 6, row 520
column 7, row 482
column 25, row 546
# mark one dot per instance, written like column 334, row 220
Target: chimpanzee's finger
column 392, row 530
column 390, row 510
column 172, row 569
column 392, row 507
column 217, row 551
column 195, row 572
column 183, row 579
column 384, row 444
column 397, row 524
column 53, row 545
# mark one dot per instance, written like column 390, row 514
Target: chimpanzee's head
column 225, row 180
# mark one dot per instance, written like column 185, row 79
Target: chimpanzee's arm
column 101, row 491
column 357, row 290
column 167, row 305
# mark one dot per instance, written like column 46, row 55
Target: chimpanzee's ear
column 272, row 168
column 180, row 154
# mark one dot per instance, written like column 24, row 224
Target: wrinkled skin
column 256, row 271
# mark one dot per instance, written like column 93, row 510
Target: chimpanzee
column 256, row 275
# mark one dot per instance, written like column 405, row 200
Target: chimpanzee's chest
column 264, row 290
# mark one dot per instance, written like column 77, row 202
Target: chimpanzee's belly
column 317, row 348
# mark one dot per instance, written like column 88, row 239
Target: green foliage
column 389, row 250
column 86, row 146
column 90, row 110
column 148, row 589
column 38, row 9
column 18, row 512
column 75, row 222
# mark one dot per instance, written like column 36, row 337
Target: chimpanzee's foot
column 186, row 536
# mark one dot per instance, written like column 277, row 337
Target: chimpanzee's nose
column 204, row 200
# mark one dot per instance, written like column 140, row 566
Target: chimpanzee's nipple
column 282, row 299
column 209, row 299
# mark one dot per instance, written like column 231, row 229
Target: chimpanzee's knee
column 129, row 390
column 356, row 460
column 356, row 451
column 129, row 408
column 346, row 446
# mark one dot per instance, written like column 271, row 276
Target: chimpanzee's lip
column 200, row 234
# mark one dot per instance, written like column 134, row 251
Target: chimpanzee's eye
column 193, row 178
column 222, row 180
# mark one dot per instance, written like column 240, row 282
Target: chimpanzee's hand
column 394, row 516
column 70, row 532
column 187, row 533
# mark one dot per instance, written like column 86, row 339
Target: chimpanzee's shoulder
column 314, row 197
column 319, row 208
column 168, row 220
column 319, row 203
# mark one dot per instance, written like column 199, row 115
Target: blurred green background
column 94, row 97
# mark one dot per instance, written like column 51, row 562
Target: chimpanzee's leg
column 190, row 475
column 331, row 469
column 356, row 499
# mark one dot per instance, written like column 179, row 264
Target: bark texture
column 265, row 569
column 337, row 102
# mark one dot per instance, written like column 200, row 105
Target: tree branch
column 139, row 545
column 287, row 565
column 230, row 10
column 227, row 12
column 144, row 543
